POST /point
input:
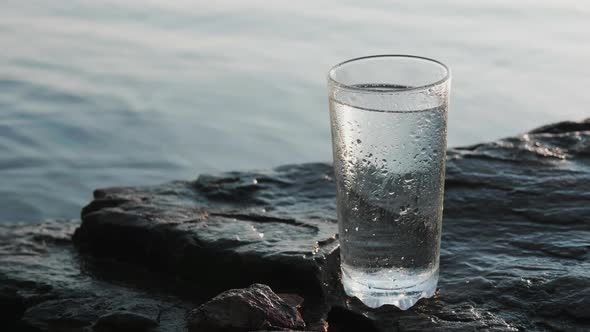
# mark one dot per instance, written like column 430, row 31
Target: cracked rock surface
column 515, row 249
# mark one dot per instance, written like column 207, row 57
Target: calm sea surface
column 102, row 93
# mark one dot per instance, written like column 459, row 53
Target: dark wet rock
column 227, row 231
column 515, row 246
column 12, row 306
column 343, row 319
column 66, row 314
column 293, row 300
column 44, row 286
column 97, row 312
column 515, row 251
column 246, row 309
column 125, row 321
column 563, row 127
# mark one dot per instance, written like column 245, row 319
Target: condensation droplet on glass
column 404, row 210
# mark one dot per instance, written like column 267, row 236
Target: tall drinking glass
column 389, row 135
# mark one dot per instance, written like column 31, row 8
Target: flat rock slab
column 44, row 286
column 227, row 231
column 515, row 251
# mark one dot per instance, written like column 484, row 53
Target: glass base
column 368, row 287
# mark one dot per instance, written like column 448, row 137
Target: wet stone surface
column 515, row 249
column 45, row 286
column 247, row 309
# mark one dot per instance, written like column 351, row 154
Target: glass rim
column 333, row 81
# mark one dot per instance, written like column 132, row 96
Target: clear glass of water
column 389, row 133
